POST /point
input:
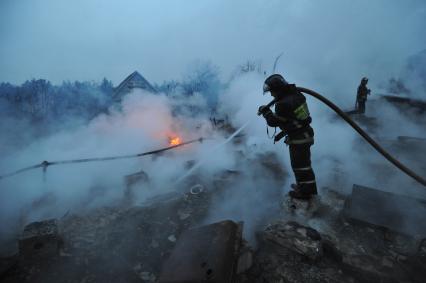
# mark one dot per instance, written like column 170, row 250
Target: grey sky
column 90, row 39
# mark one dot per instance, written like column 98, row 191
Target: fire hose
column 45, row 164
column 360, row 131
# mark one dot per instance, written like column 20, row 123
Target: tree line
column 39, row 100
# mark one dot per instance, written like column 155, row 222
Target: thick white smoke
column 144, row 122
column 328, row 46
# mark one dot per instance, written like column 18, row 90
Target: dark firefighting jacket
column 292, row 116
column 362, row 92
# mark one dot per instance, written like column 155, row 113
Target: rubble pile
column 290, row 252
column 308, row 242
column 113, row 244
column 335, row 251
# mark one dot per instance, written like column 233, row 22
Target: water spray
column 201, row 162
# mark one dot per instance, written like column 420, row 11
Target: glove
column 262, row 110
column 280, row 135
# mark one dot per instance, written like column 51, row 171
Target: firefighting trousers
column 361, row 106
column 300, row 158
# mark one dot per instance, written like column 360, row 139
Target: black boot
column 294, row 187
column 304, row 191
column 299, row 195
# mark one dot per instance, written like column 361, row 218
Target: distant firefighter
column 361, row 96
column 293, row 118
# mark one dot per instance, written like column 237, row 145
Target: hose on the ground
column 45, row 164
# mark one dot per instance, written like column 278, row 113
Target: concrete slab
column 411, row 139
column 205, row 254
column 40, row 239
column 398, row 213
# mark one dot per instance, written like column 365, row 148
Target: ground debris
column 205, row 254
column 132, row 244
column 40, row 239
column 291, row 235
column 290, row 252
column 107, row 244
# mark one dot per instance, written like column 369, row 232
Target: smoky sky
column 336, row 41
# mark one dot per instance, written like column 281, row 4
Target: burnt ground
column 114, row 244
column 117, row 244
column 122, row 243
column 351, row 252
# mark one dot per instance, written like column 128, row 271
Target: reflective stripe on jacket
column 292, row 116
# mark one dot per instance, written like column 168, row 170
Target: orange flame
column 174, row 141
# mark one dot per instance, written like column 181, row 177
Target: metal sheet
column 205, row 254
column 399, row 213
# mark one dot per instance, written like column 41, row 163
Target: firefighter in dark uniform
column 361, row 95
column 293, row 118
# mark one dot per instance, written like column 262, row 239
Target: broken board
column 205, row 254
column 398, row 213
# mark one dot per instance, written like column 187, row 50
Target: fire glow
column 174, row 141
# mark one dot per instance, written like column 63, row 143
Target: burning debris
column 107, row 204
column 174, row 141
column 181, row 236
column 171, row 237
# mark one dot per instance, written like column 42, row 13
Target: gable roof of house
column 134, row 80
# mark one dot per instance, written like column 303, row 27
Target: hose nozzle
column 267, row 106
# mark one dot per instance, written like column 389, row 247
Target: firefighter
column 361, row 96
column 293, row 118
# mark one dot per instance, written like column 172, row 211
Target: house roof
column 134, row 80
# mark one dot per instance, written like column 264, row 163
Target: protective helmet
column 274, row 82
column 364, row 79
